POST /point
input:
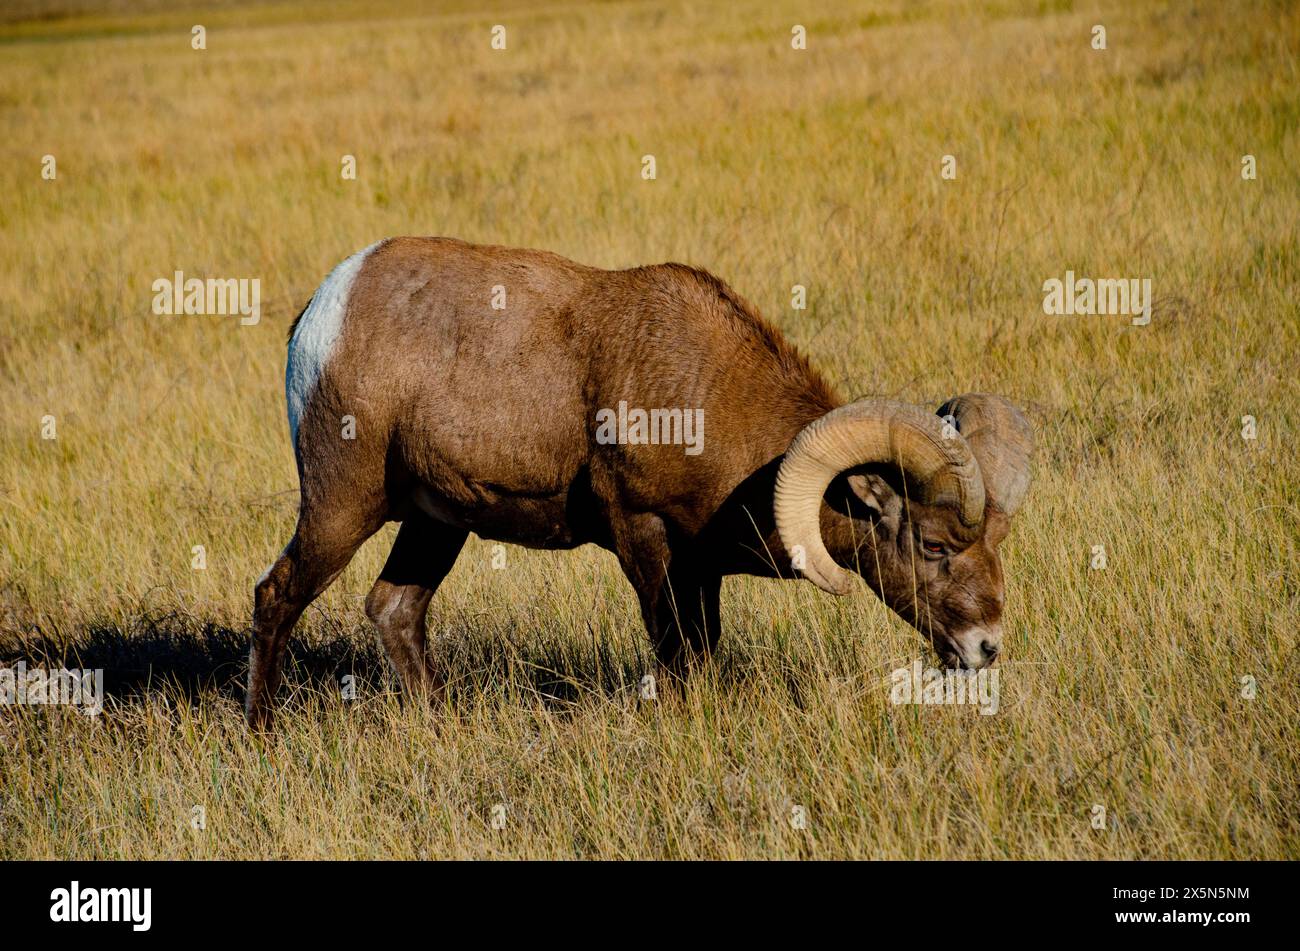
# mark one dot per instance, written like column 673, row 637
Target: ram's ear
column 872, row 490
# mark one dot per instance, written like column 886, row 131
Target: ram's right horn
column 1002, row 441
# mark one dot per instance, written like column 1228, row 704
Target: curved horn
column 1002, row 441
column 870, row 431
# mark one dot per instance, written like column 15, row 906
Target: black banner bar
column 331, row 900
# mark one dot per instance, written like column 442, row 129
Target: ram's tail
column 313, row 335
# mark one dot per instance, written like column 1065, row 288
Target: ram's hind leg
column 322, row 545
column 422, row 555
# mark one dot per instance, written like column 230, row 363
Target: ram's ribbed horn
column 1002, row 441
column 936, row 459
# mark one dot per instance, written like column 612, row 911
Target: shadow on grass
column 176, row 656
column 179, row 658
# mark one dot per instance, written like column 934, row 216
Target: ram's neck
column 743, row 538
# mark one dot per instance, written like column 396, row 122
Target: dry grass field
column 1121, row 688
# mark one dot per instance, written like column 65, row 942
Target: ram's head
column 916, row 503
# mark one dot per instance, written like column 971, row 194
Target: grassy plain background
column 1120, row 687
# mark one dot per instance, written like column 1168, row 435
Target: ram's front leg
column 687, row 619
column 679, row 599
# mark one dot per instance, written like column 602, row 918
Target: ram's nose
column 977, row 647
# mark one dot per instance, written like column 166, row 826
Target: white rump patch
column 314, row 338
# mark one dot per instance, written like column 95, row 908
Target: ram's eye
column 934, row 548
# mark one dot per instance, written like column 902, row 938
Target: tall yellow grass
column 1121, row 688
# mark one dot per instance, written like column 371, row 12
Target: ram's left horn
column 937, row 460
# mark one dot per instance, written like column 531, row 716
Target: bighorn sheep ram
column 483, row 384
